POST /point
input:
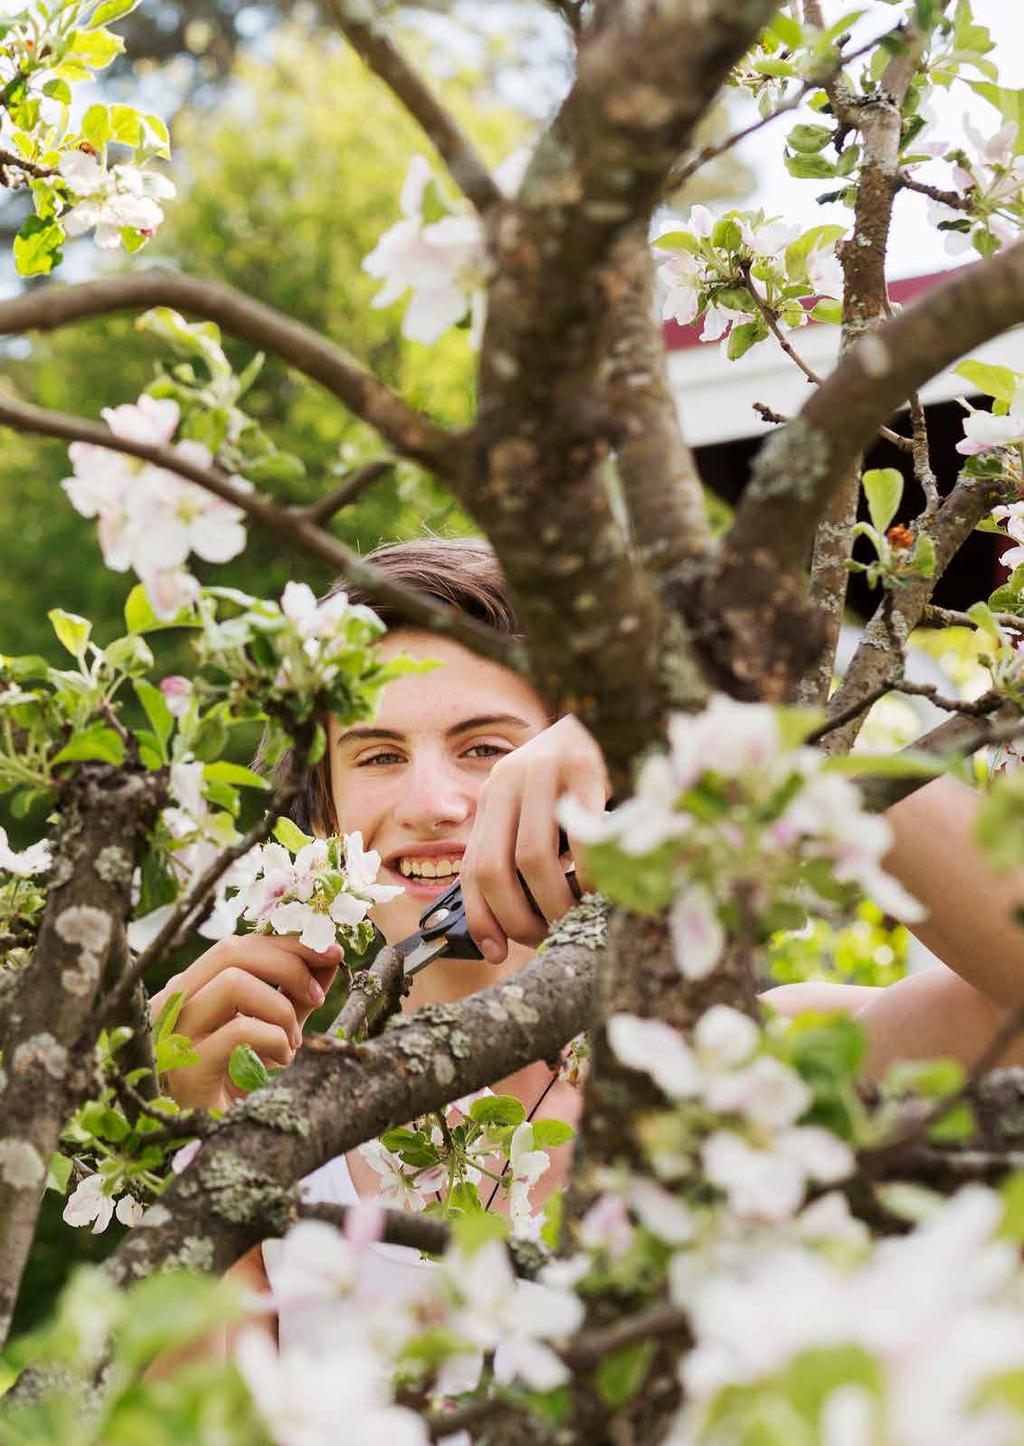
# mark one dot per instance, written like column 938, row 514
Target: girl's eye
column 377, row 760
column 486, row 750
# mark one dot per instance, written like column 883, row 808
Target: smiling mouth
column 429, row 869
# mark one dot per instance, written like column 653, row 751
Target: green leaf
column 96, row 48
column 72, row 631
column 245, row 1068
column 96, row 742
column 477, row 1227
column 743, row 337
column 883, row 488
column 621, row 1374
column 547, row 1134
column 1009, row 103
column 982, row 615
column 908, row 763
column 810, row 168
column 991, row 381
column 58, row 90
column 96, row 126
column 497, row 1110
column 125, row 125
column 922, row 561
column 234, row 773
column 168, row 1016
column 139, row 616
column 956, row 1125
column 930, row 1078
column 828, row 310
column 197, row 339
column 131, row 655
column 280, row 468
column 110, row 11
column 290, row 835
column 161, row 719
column 37, row 247
column 808, row 139
column 160, row 132
column 58, row 1176
column 788, row 30
column 1012, row 1191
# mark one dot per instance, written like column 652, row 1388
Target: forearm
column 971, row 923
column 931, row 1015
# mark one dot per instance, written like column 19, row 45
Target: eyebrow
column 483, row 720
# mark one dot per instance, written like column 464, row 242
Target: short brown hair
column 460, row 571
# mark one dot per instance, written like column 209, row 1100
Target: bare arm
column 971, row 923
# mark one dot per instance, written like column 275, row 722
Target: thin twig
column 955, row 200
column 379, row 985
column 285, row 524
column 379, row 53
column 347, row 492
column 31, row 168
column 952, row 618
column 922, row 457
column 847, row 715
column 771, row 320
column 590, row 1347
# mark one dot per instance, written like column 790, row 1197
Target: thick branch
column 401, row 426
column 331, row 1100
column 378, row 51
column 286, row 524
column 645, row 76
column 659, row 476
column 105, row 818
column 879, row 120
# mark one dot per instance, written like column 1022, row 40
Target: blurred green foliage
column 282, row 192
column 864, row 952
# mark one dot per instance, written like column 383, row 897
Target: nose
column 435, row 796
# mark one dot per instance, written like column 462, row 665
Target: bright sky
column 915, row 248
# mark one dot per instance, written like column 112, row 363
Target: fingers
column 496, row 907
column 536, row 849
column 593, row 793
column 270, row 1042
column 235, row 991
column 300, row 973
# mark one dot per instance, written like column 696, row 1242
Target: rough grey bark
column 47, row 1048
column 240, row 1187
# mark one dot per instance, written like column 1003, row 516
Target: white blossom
column 698, row 937
column 88, row 1204
column 514, row 1317
column 35, row 859
column 656, row 1049
column 984, row 431
column 336, row 1395
column 110, row 201
column 526, row 1165
column 724, row 1037
column 766, row 1092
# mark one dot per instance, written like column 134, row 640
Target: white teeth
column 430, row 868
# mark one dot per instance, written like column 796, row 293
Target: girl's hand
column 256, row 989
column 515, row 830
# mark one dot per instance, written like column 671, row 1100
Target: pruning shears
column 443, row 932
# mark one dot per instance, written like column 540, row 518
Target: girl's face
column 409, row 781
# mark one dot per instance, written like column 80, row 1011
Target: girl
column 459, row 774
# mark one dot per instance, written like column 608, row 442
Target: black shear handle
column 447, row 914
